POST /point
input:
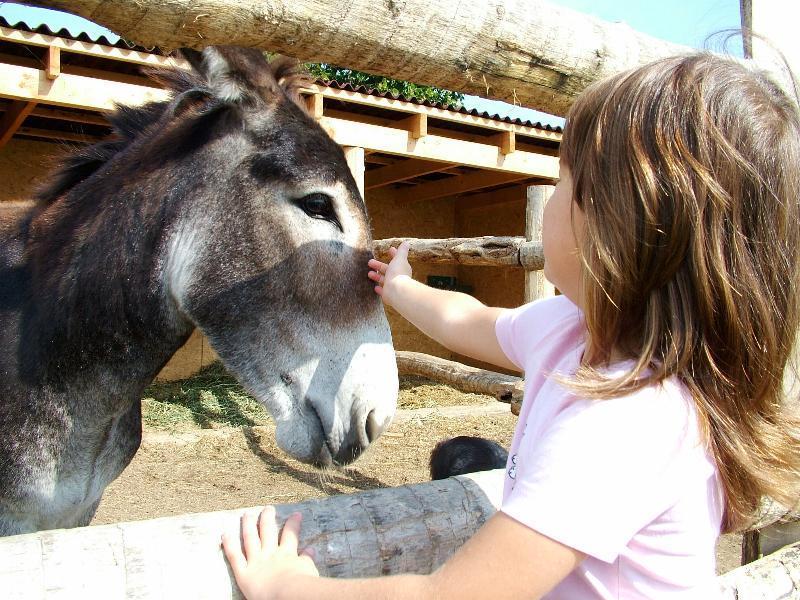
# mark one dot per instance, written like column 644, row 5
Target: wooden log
column 487, row 251
column 532, row 53
column 773, row 577
column 410, row 529
column 506, row 388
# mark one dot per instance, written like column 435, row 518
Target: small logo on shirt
column 512, row 472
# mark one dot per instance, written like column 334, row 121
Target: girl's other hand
column 385, row 274
column 260, row 561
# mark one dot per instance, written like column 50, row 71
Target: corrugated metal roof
column 82, row 36
column 121, row 43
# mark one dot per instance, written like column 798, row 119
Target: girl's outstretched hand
column 260, row 561
column 384, row 274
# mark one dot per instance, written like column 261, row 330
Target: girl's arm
column 457, row 321
column 505, row 559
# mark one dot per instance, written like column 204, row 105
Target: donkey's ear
column 236, row 74
column 193, row 57
column 193, row 99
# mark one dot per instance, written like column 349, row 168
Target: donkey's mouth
column 324, row 458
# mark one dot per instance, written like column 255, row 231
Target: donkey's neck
column 99, row 311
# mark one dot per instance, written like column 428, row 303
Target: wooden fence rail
column 506, row 388
column 378, row 532
column 487, row 251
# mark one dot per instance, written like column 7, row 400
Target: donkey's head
column 268, row 252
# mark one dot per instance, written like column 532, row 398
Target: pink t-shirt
column 626, row 481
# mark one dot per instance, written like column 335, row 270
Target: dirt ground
column 197, row 470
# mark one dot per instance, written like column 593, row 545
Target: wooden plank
column 52, row 62
column 432, row 147
column 490, row 251
column 402, row 170
column 88, row 48
column 460, row 185
column 74, row 91
column 355, row 160
column 505, row 388
column 13, row 118
column 536, row 285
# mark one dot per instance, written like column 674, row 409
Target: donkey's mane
column 128, row 122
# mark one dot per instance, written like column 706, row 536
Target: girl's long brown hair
column 688, row 172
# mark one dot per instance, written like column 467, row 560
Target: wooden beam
column 466, row 183
column 50, row 134
column 402, row 170
column 506, row 140
column 316, row 105
column 355, row 160
column 433, row 147
column 514, row 193
column 416, row 125
column 73, row 117
column 52, row 62
column 88, row 48
column 74, row 91
column 13, row 118
column 489, row 251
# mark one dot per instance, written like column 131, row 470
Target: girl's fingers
column 309, row 552
column 233, row 552
column 268, row 529
column 291, row 533
column 250, row 540
column 393, row 250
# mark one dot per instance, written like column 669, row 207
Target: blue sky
column 687, row 22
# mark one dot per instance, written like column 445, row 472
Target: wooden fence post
column 536, row 286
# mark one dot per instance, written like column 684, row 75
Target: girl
column 653, row 416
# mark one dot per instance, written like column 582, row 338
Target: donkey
column 225, row 208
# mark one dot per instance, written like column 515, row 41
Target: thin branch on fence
column 506, row 388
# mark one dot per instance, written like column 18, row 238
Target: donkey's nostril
column 373, row 428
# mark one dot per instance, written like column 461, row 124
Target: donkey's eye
column 319, row 206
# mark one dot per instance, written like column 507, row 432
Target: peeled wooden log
column 532, row 53
column 505, row 388
column 770, row 578
column 487, row 251
column 409, row 529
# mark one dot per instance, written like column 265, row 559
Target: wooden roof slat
column 13, row 118
column 460, row 185
column 400, row 171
